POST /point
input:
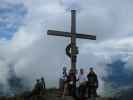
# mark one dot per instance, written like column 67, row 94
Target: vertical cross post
column 73, row 40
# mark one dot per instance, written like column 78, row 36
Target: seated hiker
column 92, row 83
column 65, row 91
column 37, row 88
column 63, row 79
column 71, row 80
column 82, row 84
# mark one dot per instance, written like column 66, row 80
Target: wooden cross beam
column 73, row 35
column 68, row 34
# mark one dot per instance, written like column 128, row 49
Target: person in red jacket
column 71, row 80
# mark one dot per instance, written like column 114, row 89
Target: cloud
column 11, row 16
column 34, row 54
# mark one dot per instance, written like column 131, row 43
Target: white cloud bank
column 34, row 54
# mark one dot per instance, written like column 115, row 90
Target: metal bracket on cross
column 68, row 50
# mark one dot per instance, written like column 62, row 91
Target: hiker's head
column 64, row 69
column 42, row 79
column 91, row 69
column 81, row 71
column 37, row 80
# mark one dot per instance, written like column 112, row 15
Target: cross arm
column 67, row 34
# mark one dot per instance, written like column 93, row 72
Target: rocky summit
column 50, row 94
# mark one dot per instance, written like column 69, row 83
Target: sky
column 24, row 42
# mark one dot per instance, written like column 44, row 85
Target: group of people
column 39, row 86
column 78, row 84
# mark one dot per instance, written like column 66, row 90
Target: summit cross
column 72, row 49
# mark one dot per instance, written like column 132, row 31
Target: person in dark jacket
column 92, row 83
column 43, row 87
